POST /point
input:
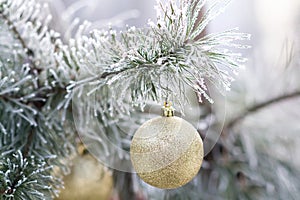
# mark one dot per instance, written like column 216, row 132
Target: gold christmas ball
column 166, row 152
column 89, row 180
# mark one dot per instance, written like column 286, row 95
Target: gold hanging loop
column 168, row 110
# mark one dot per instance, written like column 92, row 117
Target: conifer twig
column 262, row 105
column 27, row 50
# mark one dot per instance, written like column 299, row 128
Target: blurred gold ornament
column 166, row 152
column 89, row 180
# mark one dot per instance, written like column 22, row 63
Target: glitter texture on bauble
column 166, row 152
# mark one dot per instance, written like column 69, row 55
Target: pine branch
column 26, row 178
column 170, row 51
column 27, row 50
column 261, row 106
column 15, row 31
column 32, row 103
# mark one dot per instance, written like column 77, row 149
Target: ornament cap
column 168, row 110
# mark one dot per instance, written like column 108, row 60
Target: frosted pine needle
column 160, row 60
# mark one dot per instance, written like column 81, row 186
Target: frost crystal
column 161, row 60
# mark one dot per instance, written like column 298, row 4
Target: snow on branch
column 26, row 178
column 160, row 60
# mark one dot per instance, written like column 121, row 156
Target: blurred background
column 262, row 144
